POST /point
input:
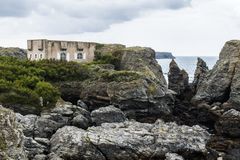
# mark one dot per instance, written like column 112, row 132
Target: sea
column 188, row 63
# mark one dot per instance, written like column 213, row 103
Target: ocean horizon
column 188, row 63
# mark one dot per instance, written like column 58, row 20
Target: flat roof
column 60, row 41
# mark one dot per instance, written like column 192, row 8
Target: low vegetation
column 24, row 82
column 34, row 83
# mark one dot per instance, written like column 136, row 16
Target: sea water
column 187, row 63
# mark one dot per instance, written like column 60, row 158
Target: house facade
column 60, row 50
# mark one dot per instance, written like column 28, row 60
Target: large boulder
column 74, row 143
column 229, row 124
column 109, row 114
column 143, row 60
column 46, row 125
column 177, row 79
column 11, row 136
column 129, row 140
column 222, row 82
column 39, row 129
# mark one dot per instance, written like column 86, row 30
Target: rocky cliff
column 222, row 82
column 218, row 93
column 135, row 84
column 127, row 111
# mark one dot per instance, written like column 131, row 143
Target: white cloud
column 165, row 25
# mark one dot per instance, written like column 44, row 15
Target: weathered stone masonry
column 61, row 50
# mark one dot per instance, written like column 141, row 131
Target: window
column 40, row 56
column 30, row 56
column 63, row 56
column 79, row 56
column 35, row 56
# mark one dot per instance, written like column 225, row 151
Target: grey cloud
column 78, row 16
column 15, row 8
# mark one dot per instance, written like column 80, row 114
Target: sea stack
column 177, row 79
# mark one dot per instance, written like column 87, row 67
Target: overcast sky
column 184, row 27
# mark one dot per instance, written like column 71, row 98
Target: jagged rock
column 81, row 121
column 109, row 114
column 43, row 141
column 222, row 82
column 73, row 143
column 28, row 123
column 229, row 123
column 45, row 127
column 173, row 156
column 142, row 60
column 33, row 148
column 200, row 73
column 129, row 140
column 11, row 136
column 177, row 79
column 81, row 104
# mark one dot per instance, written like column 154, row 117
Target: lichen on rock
column 11, row 136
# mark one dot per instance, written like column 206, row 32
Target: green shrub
column 49, row 93
column 107, row 59
column 27, row 82
column 121, row 76
column 19, row 95
column 24, row 82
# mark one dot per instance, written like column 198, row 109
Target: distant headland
column 164, row 55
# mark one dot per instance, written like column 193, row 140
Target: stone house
column 60, row 50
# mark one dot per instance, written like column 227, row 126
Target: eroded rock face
column 200, row 73
column 140, row 97
column 142, row 60
column 128, row 140
column 222, row 82
column 177, row 79
column 229, row 124
column 11, row 136
column 109, row 114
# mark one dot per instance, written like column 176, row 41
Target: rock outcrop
column 138, row 87
column 177, row 79
column 11, row 136
column 129, row 140
column 200, row 74
column 39, row 129
column 222, row 82
column 13, row 52
column 109, row 114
